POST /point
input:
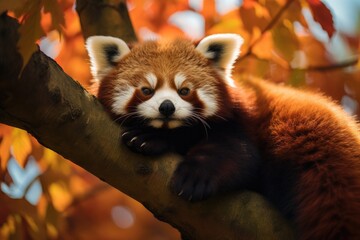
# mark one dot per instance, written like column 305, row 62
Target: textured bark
column 105, row 17
column 56, row 110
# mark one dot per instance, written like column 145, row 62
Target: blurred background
column 309, row 44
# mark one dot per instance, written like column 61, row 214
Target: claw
column 124, row 134
column 143, row 144
column 133, row 139
column 181, row 192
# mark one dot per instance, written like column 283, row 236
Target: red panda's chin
column 171, row 124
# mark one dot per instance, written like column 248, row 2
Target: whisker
column 126, row 117
column 216, row 115
column 202, row 121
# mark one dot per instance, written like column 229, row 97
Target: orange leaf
column 322, row 15
column 315, row 51
column 60, row 196
column 209, row 13
column 263, row 49
column 57, row 16
column 253, row 15
column 5, row 144
column 21, row 145
column 248, row 3
column 30, row 31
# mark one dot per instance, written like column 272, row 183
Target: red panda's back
column 321, row 144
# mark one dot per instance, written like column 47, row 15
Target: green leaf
column 297, row 78
column 285, row 40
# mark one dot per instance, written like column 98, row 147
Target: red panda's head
column 165, row 84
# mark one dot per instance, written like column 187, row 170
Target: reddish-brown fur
column 164, row 59
column 323, row 145
column 310, row 148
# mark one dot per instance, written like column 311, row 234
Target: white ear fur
column 104, row 53
column 222, row 49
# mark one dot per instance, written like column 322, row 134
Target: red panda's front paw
column 192, row 182
column 145, row 141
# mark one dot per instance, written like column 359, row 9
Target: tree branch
column 105, row 17
column 344, row 64
column 65, row 118
column 314, row 68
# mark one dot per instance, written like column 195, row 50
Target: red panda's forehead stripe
column 152, row 79
column 179, row 80
column 173, row 81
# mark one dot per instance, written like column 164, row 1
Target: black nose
column 167, row 108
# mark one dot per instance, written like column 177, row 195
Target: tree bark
column 105, row 17
column 64, row 117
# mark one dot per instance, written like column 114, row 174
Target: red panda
column 298, row 149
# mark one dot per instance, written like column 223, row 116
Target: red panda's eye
column 147, row 91
column 184, row 91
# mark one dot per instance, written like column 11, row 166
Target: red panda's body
column 298, row 149
column 313, row 151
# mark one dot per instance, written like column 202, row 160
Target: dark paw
column 193, row 181
column 147, row 142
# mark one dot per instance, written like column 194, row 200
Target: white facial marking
column 121, row 98
column 179, row 79
column 152, row 79
column 150, row 108
column 209, row 100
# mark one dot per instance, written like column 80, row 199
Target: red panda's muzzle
column 167, row 108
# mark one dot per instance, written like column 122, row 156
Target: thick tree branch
column 105, row 17
column 64, row 117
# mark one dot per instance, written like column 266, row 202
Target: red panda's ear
column 105, row 52
column 221, row 49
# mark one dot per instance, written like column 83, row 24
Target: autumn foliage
column 43, row 196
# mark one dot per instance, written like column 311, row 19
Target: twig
column 267, row 28
column 314, row 68
column 344, row 64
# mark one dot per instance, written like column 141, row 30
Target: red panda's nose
column 167, row 108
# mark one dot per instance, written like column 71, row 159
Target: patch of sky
column 346, row 16
column 192, row 23
column 25, row 182
column 50, row 45
column 349, row 104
